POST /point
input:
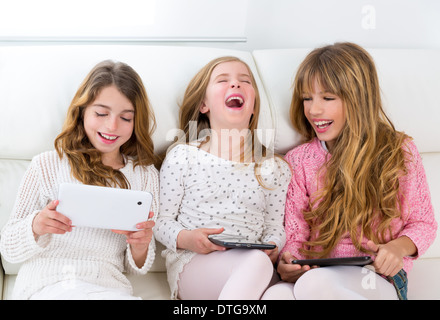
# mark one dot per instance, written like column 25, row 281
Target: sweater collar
column 323, row 145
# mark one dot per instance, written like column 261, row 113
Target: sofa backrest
column 410, row 82
column 37, row 84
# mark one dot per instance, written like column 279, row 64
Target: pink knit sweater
column 419, row 225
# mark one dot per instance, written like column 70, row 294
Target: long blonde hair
column 190, row 112
column 195, row 93
column 360, row 192
column 84, row 159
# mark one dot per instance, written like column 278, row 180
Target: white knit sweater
column 97, row 256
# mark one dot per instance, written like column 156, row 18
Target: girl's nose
column 112, row 123
column 235, row 84
column 315, row 107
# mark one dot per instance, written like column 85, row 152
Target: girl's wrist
column 407, row 246
column 182, row 239
column 139, row 254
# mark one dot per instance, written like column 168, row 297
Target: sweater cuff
column 131, row 265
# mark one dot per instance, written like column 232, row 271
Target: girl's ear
column 203, row 107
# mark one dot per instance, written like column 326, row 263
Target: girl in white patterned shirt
column 224, row 183
column 106, row 141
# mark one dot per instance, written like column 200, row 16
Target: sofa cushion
column 423, row 280
column 11, row 173
column 277, row 69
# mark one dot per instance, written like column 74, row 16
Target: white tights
column 339, row 282
column 232, row 274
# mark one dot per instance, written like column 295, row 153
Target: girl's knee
column 254, row 264
column 315, row 284
column 280, row 291
column 258, row 259
column 250, row 275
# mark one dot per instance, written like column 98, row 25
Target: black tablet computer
column 347, row 261
column 231, row 243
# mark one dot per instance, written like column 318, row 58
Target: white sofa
column 37, row 84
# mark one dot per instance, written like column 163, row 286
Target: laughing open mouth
column 234, row 101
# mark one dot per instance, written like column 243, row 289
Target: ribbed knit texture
column 418, row 222
column 97, row 256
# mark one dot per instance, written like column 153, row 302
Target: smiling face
column 325, row 113
column 108, row 122
column 230, row 97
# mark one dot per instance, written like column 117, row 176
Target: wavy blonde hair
column 360, row 192
column 84, row 159
column 190, row 112
column 195, row 94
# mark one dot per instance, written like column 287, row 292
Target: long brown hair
column 84, row 159
column 360, row 191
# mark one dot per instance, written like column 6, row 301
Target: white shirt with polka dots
column 201, row 190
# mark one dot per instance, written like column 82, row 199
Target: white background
column 236, row 24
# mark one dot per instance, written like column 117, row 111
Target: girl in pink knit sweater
column 358, row 187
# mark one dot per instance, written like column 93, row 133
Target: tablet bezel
column 346, row 261
column 232, row 243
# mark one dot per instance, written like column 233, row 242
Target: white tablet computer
column 103, row 207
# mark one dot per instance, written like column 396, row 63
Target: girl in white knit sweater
column 105, row 141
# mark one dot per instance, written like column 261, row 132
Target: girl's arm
column 419, row 229
column 168, row 230
column 420, row 225
column 297, row 229
column 141, row 246
column 171, row 193
column 18, row 242
column 197, row 240
column 275, row 202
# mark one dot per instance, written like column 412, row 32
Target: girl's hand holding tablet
column 197, row 240
column 272, row 253
column 291, row 272
column 139, row 240
column 49, row 220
